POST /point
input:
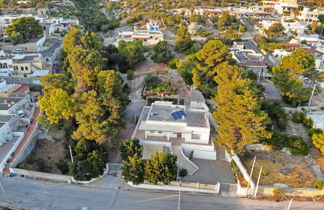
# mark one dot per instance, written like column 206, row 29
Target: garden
column 158, row 84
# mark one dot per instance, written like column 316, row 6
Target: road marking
column 154, row 199
column 115, row 199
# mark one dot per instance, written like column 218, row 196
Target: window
column 159, row 131
column 16, row 68
column 21, row 68
column 179, row 135
column 26, row 68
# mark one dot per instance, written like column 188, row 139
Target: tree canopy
column 238, row 115
column 287, row 76
column 23, row 29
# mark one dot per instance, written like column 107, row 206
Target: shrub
column 298, row 117
column 278, row 192
column 191, row 155
column 129, row 148
column 277, row 140
column 173, row 63
column 181, row 101
column 265, row 172
column 183, row 172
column 297, row 146
column 319, row 184
column 130, row 74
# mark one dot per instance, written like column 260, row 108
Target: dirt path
column 148, row 66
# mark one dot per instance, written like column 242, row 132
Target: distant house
column 307, row 15
column 150, row 35
column 250, row 59
column 27, row 64
column 177, row 128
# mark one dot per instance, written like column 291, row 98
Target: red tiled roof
column 312, row 50
column 21, row 89
column 239, row 43
column 293, row 45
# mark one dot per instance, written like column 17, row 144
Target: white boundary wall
column 13, row 149
column 241, row 167
column 175, row 188
column 206, row 152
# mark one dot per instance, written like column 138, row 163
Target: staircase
column 183, row 161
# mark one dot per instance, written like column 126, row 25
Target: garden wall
column 41, row 175
column 289, row 191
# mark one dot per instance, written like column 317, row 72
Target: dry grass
column 301, row 175
column 45, row 157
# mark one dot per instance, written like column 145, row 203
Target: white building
column 179, row 129
column 150, row 34
column 281, row 7
column 250, row 59
column 6, row 68
column 307, row 15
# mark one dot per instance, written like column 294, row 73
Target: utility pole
column 179, row 196
column 310, row 100
column 247, row 188
column 71, row 153
column 289, row 204
column 257, row 185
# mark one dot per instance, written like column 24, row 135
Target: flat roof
column 10, row 99
column 5, row 118
column 162, row 112
column 149, row 150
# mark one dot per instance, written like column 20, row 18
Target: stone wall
column 41, row 175
column 27, row 148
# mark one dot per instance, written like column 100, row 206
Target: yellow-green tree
column 57, row 104
column 286, row 76
column 240, row 121
column 206, row 60
column 318, row 141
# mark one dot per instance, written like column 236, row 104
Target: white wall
column 206, row 152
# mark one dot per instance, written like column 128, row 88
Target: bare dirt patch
column 148, row 66
column 280, row 167
column 46, row 157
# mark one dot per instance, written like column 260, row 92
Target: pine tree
column 240, row 121
column 161, row 168
column 133, row 169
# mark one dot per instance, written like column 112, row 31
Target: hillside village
column 218, row 98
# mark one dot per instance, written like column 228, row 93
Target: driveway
column 211, row 172
column 271, row 91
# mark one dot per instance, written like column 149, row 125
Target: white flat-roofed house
column 150, row 35
column 250, row 59
column 179, row 129
column 308, row 15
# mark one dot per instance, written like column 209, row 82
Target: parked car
column 18, row 51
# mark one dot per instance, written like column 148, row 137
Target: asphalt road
column 34, row 195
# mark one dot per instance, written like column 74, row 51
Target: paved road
column 34, row 195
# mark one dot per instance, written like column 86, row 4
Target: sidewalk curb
column 172, row 188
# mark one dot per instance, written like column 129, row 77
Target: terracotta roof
column 21, row 89
column 312, row 50
column 239, row 43
column 293, row 45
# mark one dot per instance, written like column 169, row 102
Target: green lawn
column 4, row 208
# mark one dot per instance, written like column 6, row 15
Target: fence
column 181, row 186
